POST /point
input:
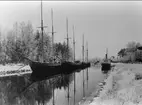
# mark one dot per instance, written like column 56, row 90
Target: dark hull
column 42, row 70
column 106, row 66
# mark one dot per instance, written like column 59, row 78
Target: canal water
column 59, row 90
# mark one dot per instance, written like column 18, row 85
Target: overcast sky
column 105, row 24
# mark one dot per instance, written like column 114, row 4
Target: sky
column 105, row 24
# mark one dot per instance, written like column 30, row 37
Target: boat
column 106, row 65
column 43, row 69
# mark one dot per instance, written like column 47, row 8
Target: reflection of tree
column 42, row 91
column 11, row 91
column 11, row 87
column 61, row 81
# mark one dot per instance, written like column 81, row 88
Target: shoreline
column 123, row 87
column 94, row 94
column 14, row 69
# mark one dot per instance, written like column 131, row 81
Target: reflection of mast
column 53, row 94
column 74, row 88
column 68, row 94
column 83, row 85
column 87, row 77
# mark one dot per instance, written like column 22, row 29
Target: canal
column 59, row 90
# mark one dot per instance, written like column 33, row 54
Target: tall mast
column 73, row 44
column 42, row 27
column 67, row 38
column 52, row 33
column 83, row 49
column 86, row 51
column 67, row 33
column 42, row 33
column 106, row 53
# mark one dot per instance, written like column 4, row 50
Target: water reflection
column 21, row 90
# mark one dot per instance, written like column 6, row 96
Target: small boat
column 106, row 65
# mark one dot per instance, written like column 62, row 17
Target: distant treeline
column 23, row 40
column 131, row 53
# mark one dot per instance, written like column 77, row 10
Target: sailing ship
column 43, row 69
column 106, row 65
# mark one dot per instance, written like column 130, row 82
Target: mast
column 42, row 32
column 67, row 38
column 83, row 49
column 52, row 33
column 67, row 33
column 68, row 96
column 107, row 54
column 42, row 28
column 73, row 45
column 53, row 95
column 86, row 51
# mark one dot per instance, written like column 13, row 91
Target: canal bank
column 122, row 87
column 96, row 92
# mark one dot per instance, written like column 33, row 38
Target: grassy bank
column 122, row 87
